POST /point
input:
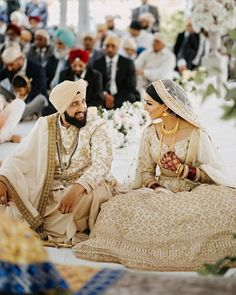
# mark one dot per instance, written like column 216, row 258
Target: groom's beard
column 75, row 121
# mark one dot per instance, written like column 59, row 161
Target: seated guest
column 89, row 40
column 34, row 23
column 184, row 51
column 16, row 63
column 118, row 75
column 26, row 38
column 41, row 50
column 102, row 33
column 154, row 64
column 110, row 21
column 38, row 8
column 147, row 8
column 142, row 38
column 11, row 113
column 19, row 18
column 12, row 37
column 64, row 40
column 129, row 49
column 146, row 21
column 197, row 46
column 79, row 69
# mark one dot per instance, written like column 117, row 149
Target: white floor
column 222, row 132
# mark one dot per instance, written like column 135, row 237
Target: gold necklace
column 61, row 150
column 169, row 132
column 172, row 142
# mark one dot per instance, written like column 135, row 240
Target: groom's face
column 76, row 113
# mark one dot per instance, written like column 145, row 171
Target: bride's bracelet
column 180, row 169
column 191, row 173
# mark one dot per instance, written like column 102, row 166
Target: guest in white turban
column 58, row 178
column 41, row 50
column 16, row 63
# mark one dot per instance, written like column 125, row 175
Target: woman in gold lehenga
column 182, row 211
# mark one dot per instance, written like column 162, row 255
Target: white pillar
column 63, row 13
column 84, row 22
column 188, row 7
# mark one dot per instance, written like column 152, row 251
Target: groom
column 57, row 179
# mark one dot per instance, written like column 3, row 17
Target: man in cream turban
column 58, row 177
column 41, row 50
column 16, row 63
column 154, row 64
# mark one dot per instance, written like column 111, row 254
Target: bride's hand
column 170, row 161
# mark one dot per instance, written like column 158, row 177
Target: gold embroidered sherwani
column 38, row 176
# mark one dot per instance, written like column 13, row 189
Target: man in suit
column 16, row 63
column 41, row 50
column 185, row 48
column 118, row 73
column 79, row 69
column 12, row 5
column 64, row 41
column 89, row 40
column 144, row 8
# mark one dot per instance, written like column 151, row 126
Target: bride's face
column 154, row 108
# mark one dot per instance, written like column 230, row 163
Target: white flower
column 213, row 15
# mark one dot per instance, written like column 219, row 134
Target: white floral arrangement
column 213, row 15
column 192, row 81
column 125, row 123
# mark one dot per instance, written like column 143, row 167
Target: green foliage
column 172, row 25
column 211, row 89
column 220, row 267
column 232, row 34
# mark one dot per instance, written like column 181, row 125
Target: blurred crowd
column 117, row 65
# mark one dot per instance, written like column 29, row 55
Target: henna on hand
column 170, row 161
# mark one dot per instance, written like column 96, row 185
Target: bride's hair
column 153, row 94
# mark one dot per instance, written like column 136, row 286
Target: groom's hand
column 69, row 201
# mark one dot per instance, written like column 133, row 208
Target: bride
column 181, row 212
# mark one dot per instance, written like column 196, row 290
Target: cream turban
column 63, row 94
column 130, row 44
column 11, row 53
column 112, row 39
column 43, row 33
column 160, row 37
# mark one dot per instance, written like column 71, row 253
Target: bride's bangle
column 180, row 169
column 185, row 171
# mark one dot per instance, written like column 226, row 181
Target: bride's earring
column 165, row 113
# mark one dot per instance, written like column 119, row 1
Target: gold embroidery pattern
column 163, row 232
column 148, row 163
column 34, row 222
column 92, row 159
column 51, row 164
